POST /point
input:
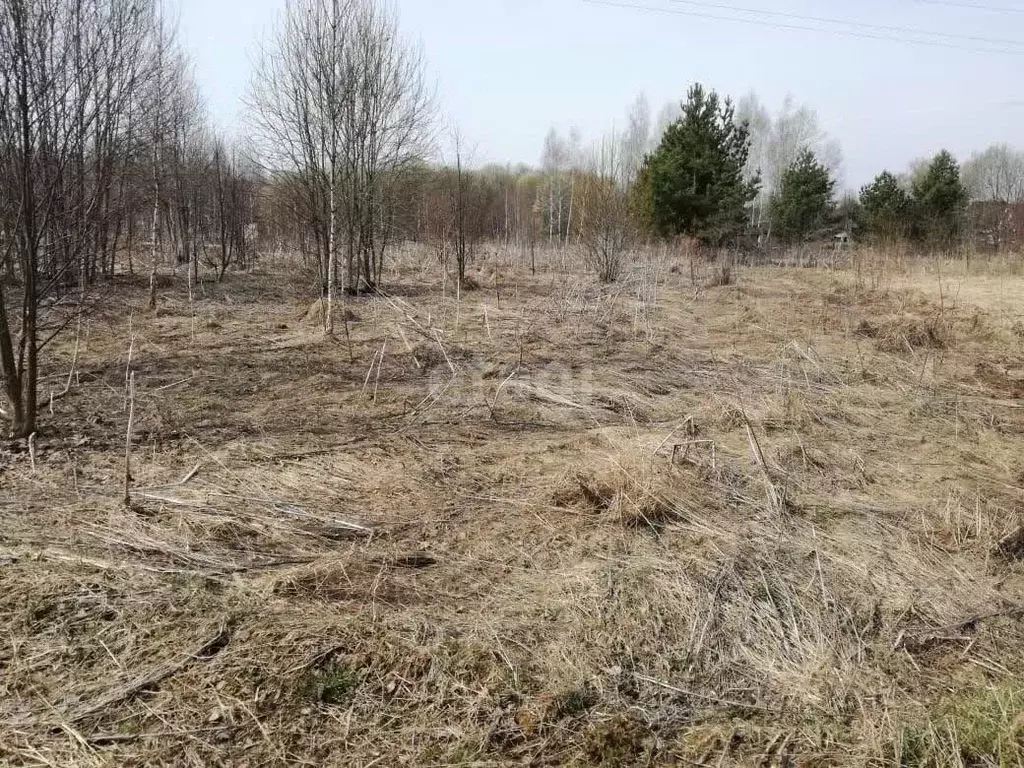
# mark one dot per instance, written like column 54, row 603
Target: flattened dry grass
column 543, row 522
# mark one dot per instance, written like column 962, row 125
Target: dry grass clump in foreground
column 543, row 522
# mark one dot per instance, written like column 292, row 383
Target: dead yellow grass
column 542, row 522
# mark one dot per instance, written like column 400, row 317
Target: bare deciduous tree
column 636, row 140
column 72, row 78
column 776, row 143
column 607, row 233
column 559, row 160
column 340, row 101
column 236, row 201
column 462, row 212
column 996, row 174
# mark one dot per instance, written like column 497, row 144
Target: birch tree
column 299, row 92
column 996, row 174
column 777, row 142
column 553, row 160
column 636, row 140
column 341, row 102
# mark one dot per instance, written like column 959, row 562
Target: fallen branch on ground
column 705, row 697
column 954, row 632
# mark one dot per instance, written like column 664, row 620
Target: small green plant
column 623, row 740
column 332, row 684
column 980, row 727
column 573, row 702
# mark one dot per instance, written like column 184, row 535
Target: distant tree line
column 704, row 180
column 932, row 212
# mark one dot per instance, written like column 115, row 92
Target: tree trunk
column 572, row 195
column 551, row 210
column 12, row 377
column 131, row 242
column 30, row 379
column 24, row 422
column 155, row 231
column 332, row 250
column 225, row 255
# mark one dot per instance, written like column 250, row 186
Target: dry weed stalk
column 694, row 443
column 377, row 361
column 32, row 450
column 776, row 497
column 130, row 398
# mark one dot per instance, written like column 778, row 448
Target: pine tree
column 695, row 176
column 804, row 200
column 887, row 208
column 941, row 200
column 641, row 203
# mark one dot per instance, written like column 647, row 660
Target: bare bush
column 606, row 229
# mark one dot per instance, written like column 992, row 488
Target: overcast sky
column 508, row 70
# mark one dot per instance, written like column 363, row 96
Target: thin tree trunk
column 332, row 250
column 155, row 231
column 24, row 423
column 11, row 375
column 225, row 256
column 131, row 242
column 572, row 195
column 559, row 208
column 551, row 211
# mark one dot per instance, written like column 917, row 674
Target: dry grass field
column 544, row 522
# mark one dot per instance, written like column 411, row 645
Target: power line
column 971, row 6
column 858, row 24
column 801, row 28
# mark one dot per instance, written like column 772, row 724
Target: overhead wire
column 971, row 6
column 803, row 28
column 851, row 23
